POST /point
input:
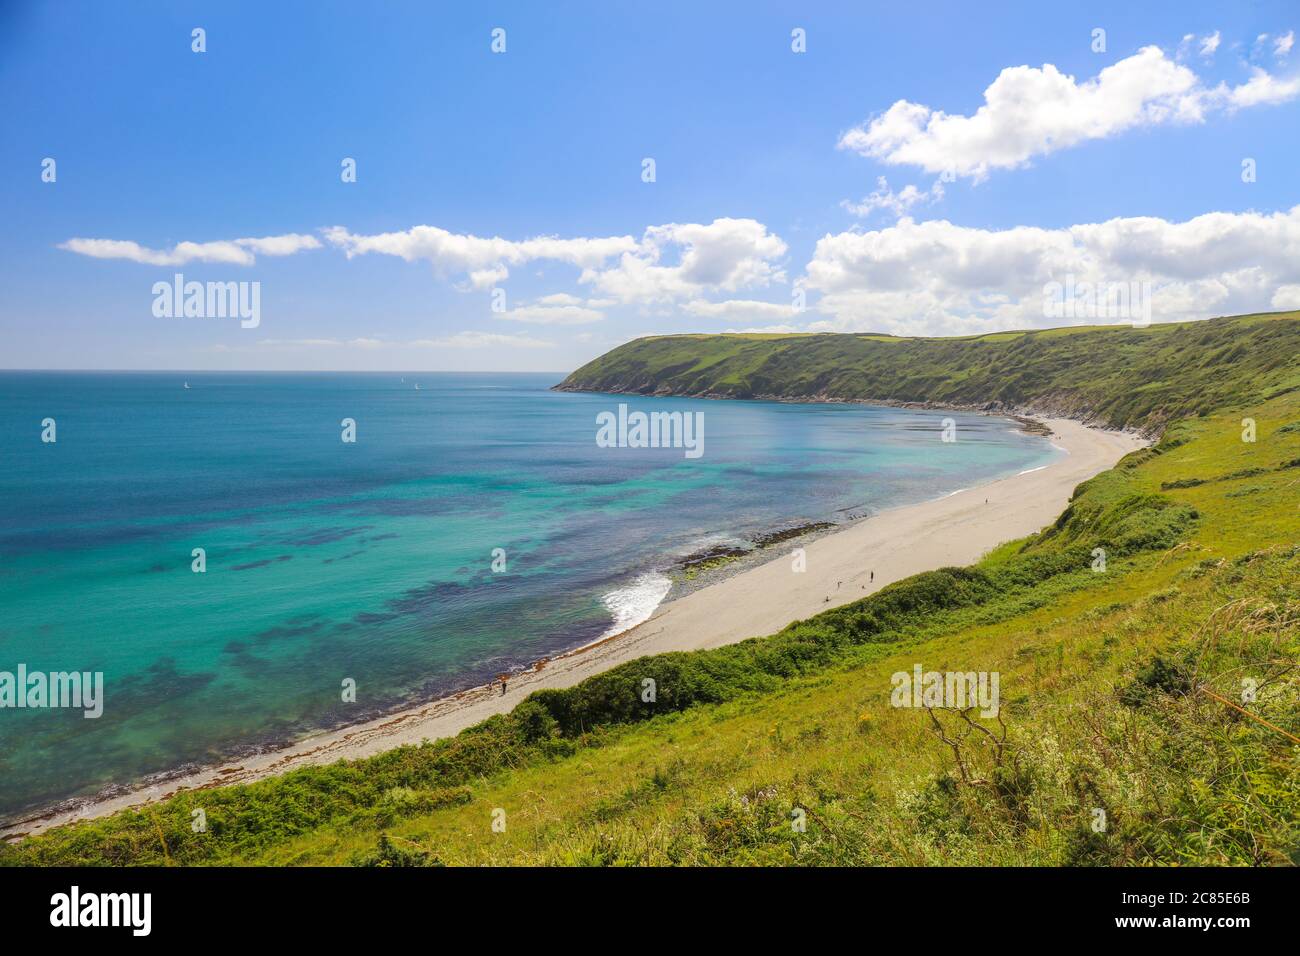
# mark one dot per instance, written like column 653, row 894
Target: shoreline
column 842, row 565
column 1028, row 417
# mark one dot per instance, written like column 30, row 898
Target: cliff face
column 1115, row 376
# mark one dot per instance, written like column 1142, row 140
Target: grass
column 785, row 749
column 1123, row 377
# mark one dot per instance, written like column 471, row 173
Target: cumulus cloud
column 564, row 313
column 1283, row 44
column 1210, row 43
column 735, row 309
column 1030, row 112
column 483, row 262
column 897, row 203
column 1286, row 298
column 239, row 252
column 1262, row 89
column 561, row 298
column 667, row 264
column 939, row 278
column 724, row 255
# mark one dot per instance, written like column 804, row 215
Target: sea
column 237, row 569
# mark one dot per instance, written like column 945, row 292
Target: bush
column 388, row 854
column 1158, row 676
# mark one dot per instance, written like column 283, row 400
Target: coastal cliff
column 1110, row 376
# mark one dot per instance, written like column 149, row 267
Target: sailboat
column 187, row 384
column 417, row 386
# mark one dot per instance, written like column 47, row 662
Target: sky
column 538, row 183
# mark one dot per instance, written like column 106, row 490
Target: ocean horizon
column 473, row 527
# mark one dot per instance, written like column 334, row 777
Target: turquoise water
column 373, row 560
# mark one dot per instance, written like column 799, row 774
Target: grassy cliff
column 1122, row 690
column 1115, row 375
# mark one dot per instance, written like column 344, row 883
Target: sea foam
column 632, row 605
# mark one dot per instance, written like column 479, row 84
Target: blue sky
column 764, row 159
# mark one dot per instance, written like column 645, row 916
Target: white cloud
column 1286, row 297
column 240, row 252
column 285, row 245
column 897, row 203
column 1282, row 45
column 668, row 263
column 301, row 343
column 1210, row 43
column 558, row 308
column 938, row 278
column 1030, row 112
column 485, row 262
column 733, row 309
column 478, row 340
column 724, row 255
column 536, row 314
column 1262, row 89
column 458, row 340
column 559, row 298
column 357, row 343
column 767, row 330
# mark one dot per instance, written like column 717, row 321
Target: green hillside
column 1117, row 375
column 1123, row 692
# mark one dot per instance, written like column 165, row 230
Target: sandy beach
column 895, row 544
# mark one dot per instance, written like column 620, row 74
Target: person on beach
column 503, row 687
